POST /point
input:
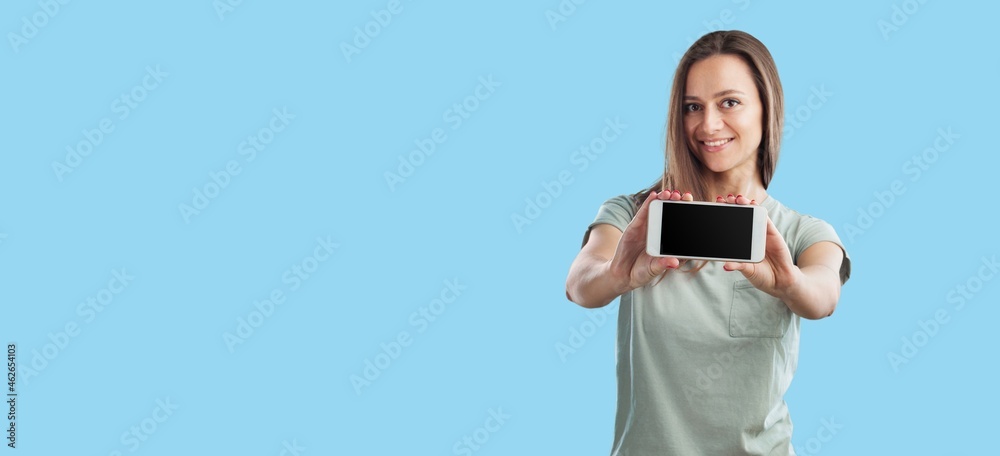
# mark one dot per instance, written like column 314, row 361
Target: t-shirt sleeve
column 812, row 230
column 617, row 212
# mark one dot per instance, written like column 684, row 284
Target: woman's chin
column 717, row 168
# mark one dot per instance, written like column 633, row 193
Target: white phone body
column 706, row 231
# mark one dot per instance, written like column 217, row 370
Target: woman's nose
column 712, row 121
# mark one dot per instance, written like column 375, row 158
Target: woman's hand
column 614, row 262
column 632, row 266
column 776, row 274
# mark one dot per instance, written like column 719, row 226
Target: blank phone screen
column 706, row 231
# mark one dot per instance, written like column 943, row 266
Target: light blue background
column 494, row 346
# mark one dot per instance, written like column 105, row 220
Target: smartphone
column 706, row 231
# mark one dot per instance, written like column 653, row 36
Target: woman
column 706, row 350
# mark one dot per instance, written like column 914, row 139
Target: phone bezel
column 758, row 238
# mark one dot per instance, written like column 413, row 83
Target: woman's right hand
column 631, row 265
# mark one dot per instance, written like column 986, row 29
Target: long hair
column 681, row 170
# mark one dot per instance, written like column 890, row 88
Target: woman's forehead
column 711, row 77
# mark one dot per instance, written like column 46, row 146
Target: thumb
column 660, row 265
column 733, row 266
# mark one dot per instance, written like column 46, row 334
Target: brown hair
column 681, row 170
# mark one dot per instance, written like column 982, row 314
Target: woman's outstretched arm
column 613, row 262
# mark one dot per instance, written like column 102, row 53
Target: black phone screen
column 706, row 231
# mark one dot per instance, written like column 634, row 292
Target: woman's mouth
column 715, row 145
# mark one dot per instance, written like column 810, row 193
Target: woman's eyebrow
column 717, row 95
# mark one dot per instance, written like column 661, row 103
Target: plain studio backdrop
column 311, row 228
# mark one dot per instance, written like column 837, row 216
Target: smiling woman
column 707, row 351
column 723, row 129
column 726, row 87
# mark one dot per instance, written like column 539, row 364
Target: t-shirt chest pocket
column 755, row 313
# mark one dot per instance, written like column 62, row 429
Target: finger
column 642, row 214
column 659, row 265
column 740, row 199
column 675, row 196
column 664, row 195
column 733, row 266
column 687, row 197
column 650, row 197
column 731, row 199
column 749, row 270
column 719, row 199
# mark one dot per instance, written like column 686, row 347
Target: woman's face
column 723, row 114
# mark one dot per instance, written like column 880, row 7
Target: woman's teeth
column 716, row 143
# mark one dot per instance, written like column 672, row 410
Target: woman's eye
column 691, row 107
column 729, row 103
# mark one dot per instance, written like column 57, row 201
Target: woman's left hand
column 776, row 273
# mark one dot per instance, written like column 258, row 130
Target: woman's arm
column 590, row 282
column 814, row 292
column 613, row 262
column 811, row 288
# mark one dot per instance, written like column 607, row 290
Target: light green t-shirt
column 704, row 359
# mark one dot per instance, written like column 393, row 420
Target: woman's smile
column 715, row 145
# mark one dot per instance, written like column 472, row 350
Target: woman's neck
column 722, row 184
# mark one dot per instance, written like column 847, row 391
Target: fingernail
column 739, row 196
column 718, row 199
column 753, row 201
column 730, row 195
